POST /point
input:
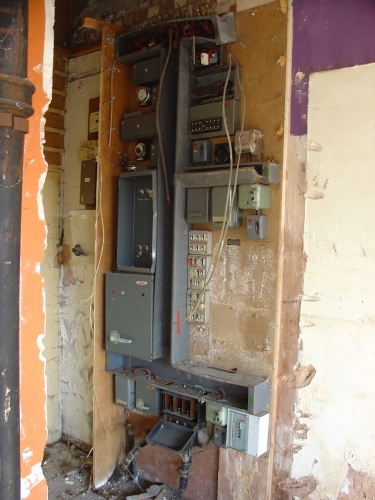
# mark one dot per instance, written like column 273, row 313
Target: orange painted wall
column 33, row 233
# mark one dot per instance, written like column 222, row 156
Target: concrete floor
column 68, row 472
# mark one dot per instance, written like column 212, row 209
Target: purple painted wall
column 327, row 34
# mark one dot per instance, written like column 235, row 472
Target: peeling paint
column 313, row 146
column 30, row 481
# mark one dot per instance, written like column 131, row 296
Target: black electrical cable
column 161, row 148
column 184, row 472
column 132, row 453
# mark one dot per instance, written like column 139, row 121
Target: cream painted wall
column 76, row 358
column 50, row 271
column 337, row 314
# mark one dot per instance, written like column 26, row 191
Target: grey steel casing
column 198, row 205
column 138, row 126
column 137, row 222
column 146, row 72
column 256, row 227
column 219, row 196
column 147, row 399
column 248, row 433
column 129, row 311
column 125, row 392
column 87, row 195
column 215, row 110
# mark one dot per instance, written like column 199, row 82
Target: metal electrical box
column 137, row 222
column 202, row 151
column 220, row 436
column 129, row 299
column 87, row 195
column 254, row 196
column 146, row 71
column 216, row 414
column 256, row 227
column 206, row 120
column 219, row 196
column 248, row 433
column 138, row 125
column 147, row 399
column 198, row 205
column 125, row 392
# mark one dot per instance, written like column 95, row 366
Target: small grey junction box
column 197, row 205
column 87, row 195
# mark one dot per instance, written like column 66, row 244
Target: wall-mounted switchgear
column 146, row 71
column 219, row 196
column 138, row 125
column 202, row 151
column 198, row 298
column 254, row 196
column 216, row 414
column 248, row 433
column 198, row 205
column 256, row 227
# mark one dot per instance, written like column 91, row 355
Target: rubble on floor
column 68, row 471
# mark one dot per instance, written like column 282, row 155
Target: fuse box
column 254, row 196
column 216, row 414
column 219, row 195
column 198, row 306
column 256, row 227
column 125, row 392
column 146, row 71
column 87, row 193
column 147, row 399
column 248, row 433
column 200, row 242
column 220, row 436
column 198, row 205
column 202, row 151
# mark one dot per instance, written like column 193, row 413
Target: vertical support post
column 15, row 107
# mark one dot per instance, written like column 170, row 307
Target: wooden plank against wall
column 109, row 419
column 290, row 280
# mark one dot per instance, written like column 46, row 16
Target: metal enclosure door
column 129, row 314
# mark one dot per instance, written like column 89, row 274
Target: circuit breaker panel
column 138, row 293
column 159, row 290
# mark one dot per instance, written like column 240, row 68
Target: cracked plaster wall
column 77, row 273
column 334, row 434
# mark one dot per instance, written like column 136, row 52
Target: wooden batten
column 109, row 419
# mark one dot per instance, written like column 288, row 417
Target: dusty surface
column 68, row 471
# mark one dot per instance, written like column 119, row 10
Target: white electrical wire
column 227, row 210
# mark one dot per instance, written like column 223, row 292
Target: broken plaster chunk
column 313, row 146
column 302, row 486
column 304, row 375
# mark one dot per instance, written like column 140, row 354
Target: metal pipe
column 15, row 108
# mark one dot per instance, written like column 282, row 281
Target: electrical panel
column 206, row 120
column 138, row 125
column 198, row 205
column 125, row 392
column 87, row 195
column 256, row 227
column 146, row 71
column 222, row 153
column 249, row 141
column 219, row 196
column 248, row 433
column 202, row 151
column 200, row 242
column 154, row 154
column 199, row 260
column 216, row 414
column 206, row 110
column 137, row 222
column 220, row 436
column 254, row 196
column 147, row 399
